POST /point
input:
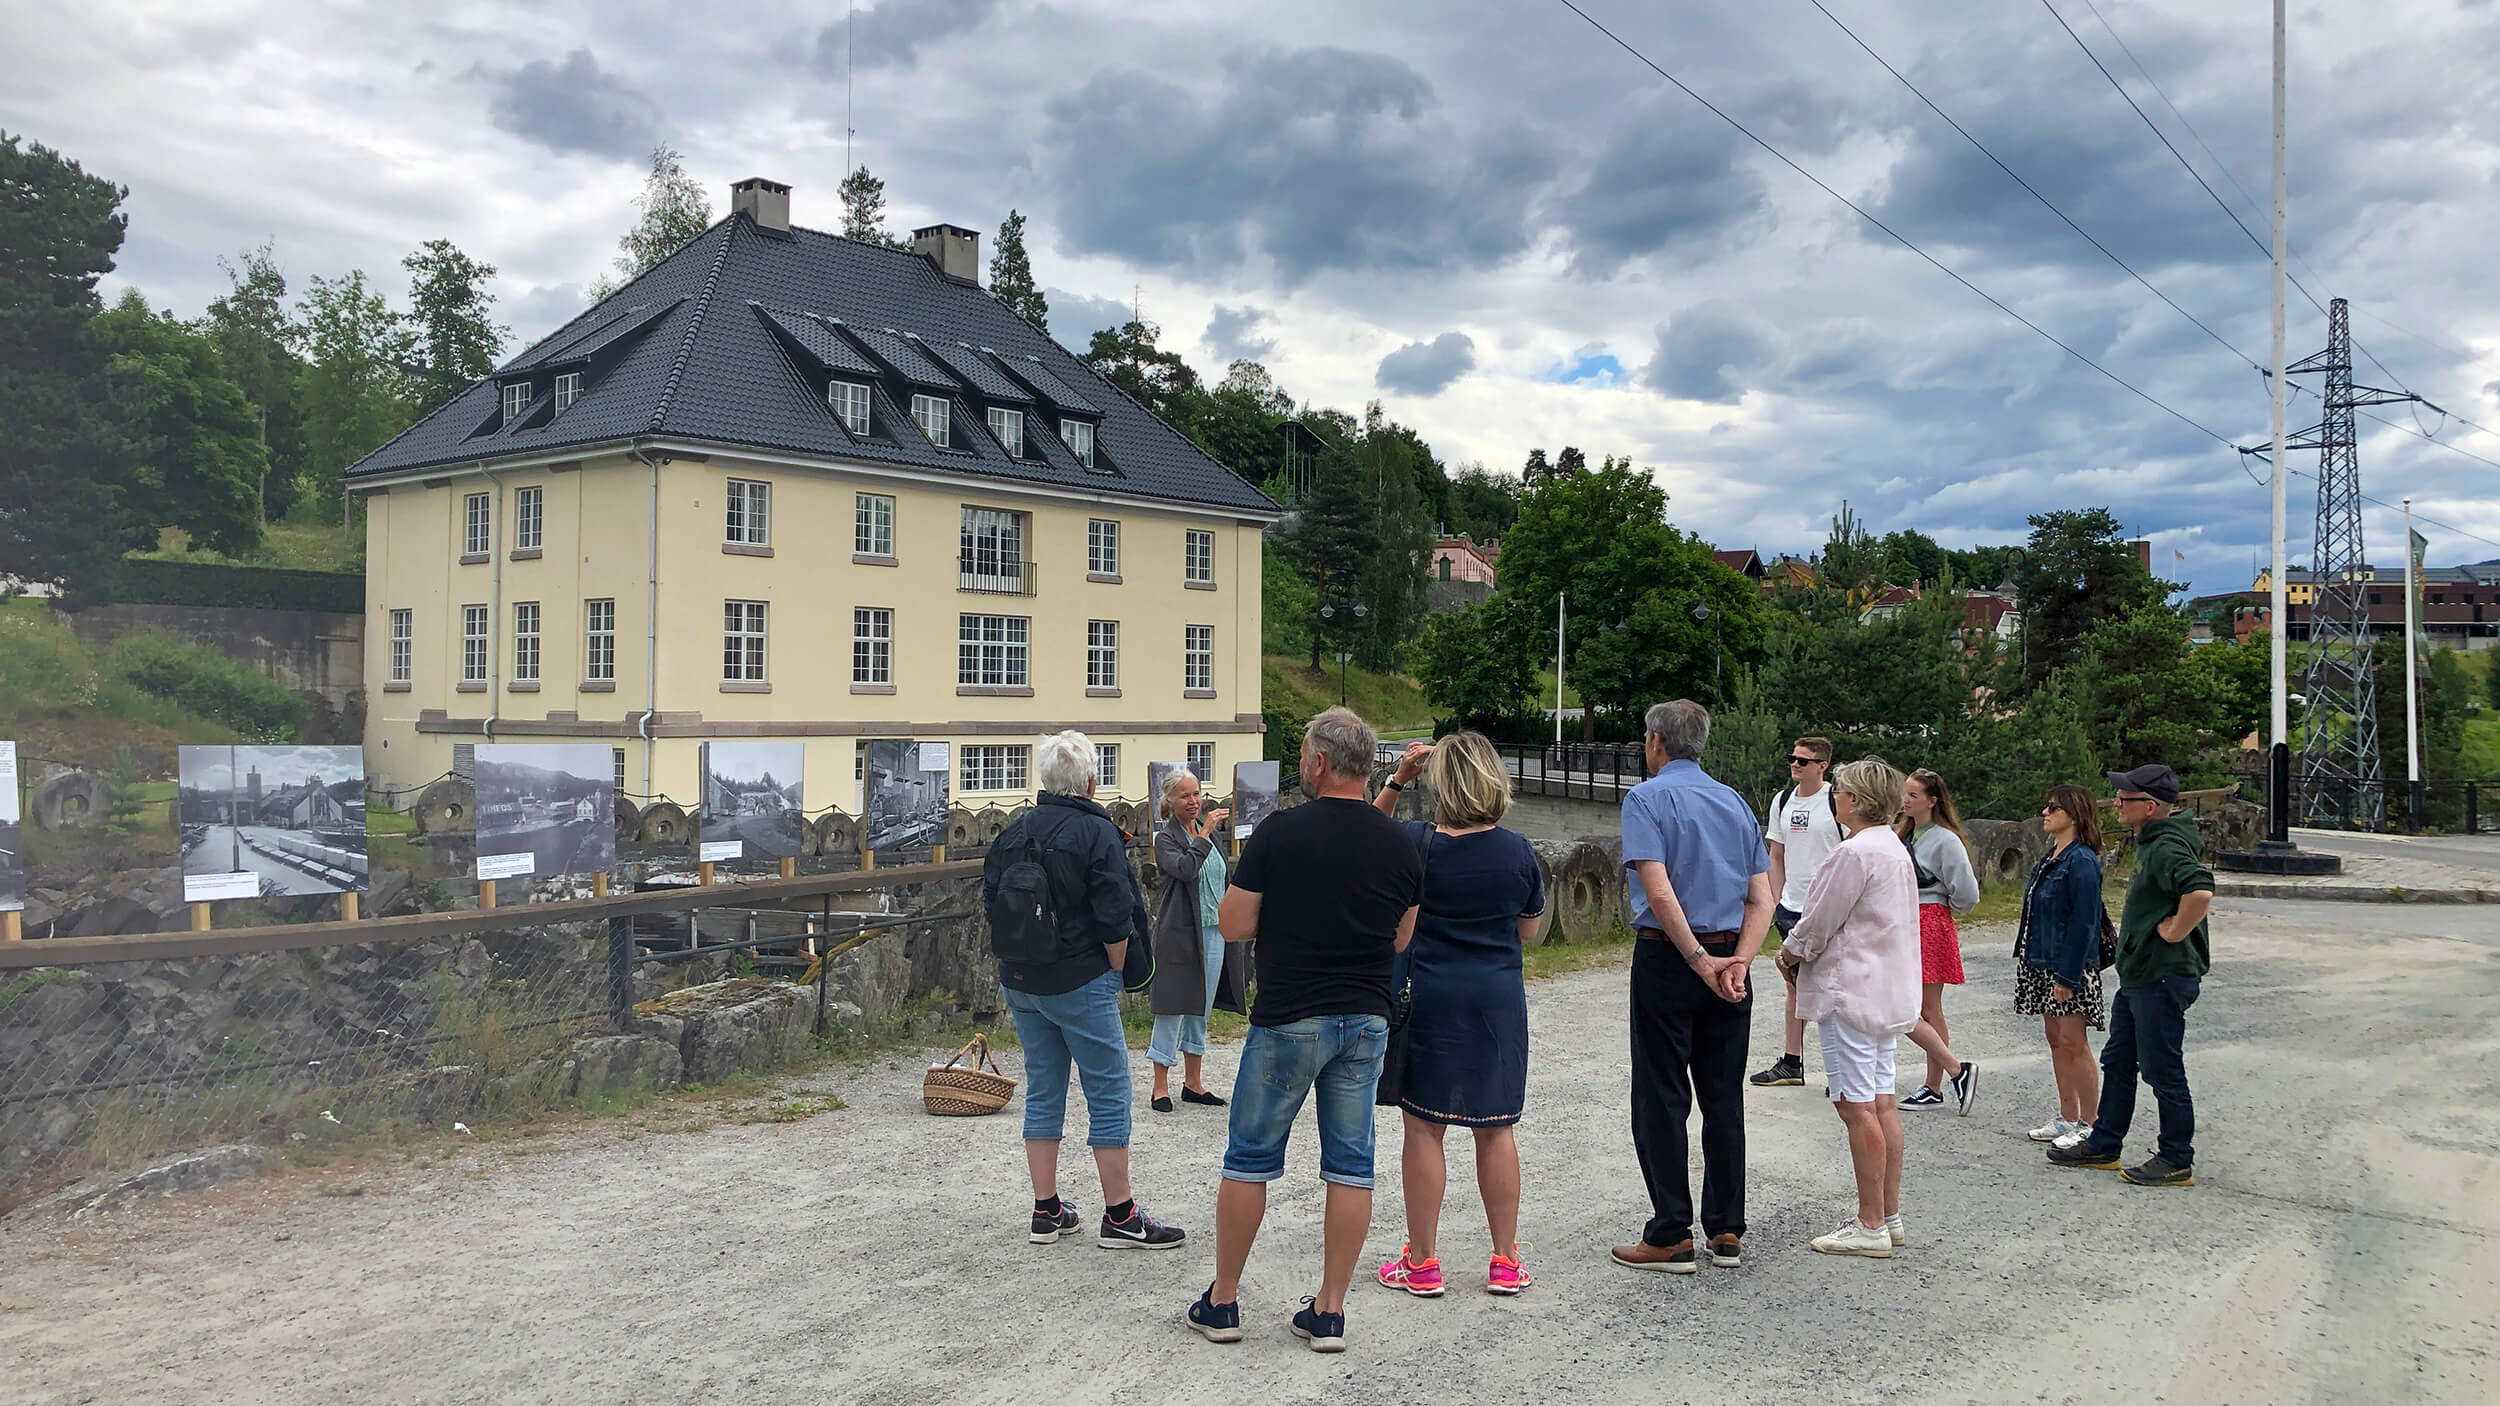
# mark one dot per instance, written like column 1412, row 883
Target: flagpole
column 2413, row 728
column 2279, row 752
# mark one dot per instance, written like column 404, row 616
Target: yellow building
column 2299, row 587
column 788, row 486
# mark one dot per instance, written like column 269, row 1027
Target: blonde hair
column 1873, row 788
column 1470, row 786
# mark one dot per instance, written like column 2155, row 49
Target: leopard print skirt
column 2034, row 994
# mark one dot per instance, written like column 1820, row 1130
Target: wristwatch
column 1396, row 785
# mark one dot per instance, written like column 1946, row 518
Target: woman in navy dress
column 1467, row 1037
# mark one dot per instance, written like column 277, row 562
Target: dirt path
column 2340, row 1245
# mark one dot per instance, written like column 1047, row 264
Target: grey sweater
column 1939, row 851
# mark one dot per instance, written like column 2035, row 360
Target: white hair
column 1172, row 782
column 1067, row 763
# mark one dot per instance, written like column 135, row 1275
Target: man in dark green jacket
column 2164, row 952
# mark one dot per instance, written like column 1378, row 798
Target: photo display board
column 12, row 846
column 545, row 808
column 1255, row 786
column 1155, row 774
column 754, row 805
column 907, row 788
column 271, row 822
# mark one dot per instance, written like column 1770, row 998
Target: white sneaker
column 1854, row 1239
column 2051, row 1130
column 2075, row 1133
column 1894, row 1230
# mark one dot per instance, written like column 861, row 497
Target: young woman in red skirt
column 1932, row 829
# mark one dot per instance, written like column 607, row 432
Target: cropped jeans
column 1177, row 1035
column 1080, row 1027
column 1281, row 1065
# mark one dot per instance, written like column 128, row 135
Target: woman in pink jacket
column 1854, row 956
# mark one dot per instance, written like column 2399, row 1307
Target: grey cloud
column 1660, row 185
column 573, row 107
column 1075, row 318
column 892, row 35
column 1232, row 332
column 1316, row 159
column 541, row 310
column 1706, row 352
column 1427, row 368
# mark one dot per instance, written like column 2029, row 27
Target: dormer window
column 1079, row 437
column 929, row 412
column 849, row 400
column 516, row 398
column 1008, row 426
column 568, row 389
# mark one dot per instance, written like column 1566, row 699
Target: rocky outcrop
column 609, row 1064
column 727, row 1026
column 196, row 1171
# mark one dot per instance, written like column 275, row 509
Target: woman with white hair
column 1855, row 955
column 1189, row 948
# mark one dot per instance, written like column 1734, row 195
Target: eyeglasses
column 2135, row 800
column 1804, row 761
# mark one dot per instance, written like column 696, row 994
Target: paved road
column 2339, row 1246
column 2437, row 922
column 2461, row 851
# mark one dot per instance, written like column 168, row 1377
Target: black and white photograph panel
column 907, row 794
column 753, row 804
column 1254, row 796
column 271, row 822
column 12, row 851
column 545, row 808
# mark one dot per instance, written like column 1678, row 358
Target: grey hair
column 1171, row 782
column 1067, row 763
column 1682, row 726
column 1873, row 788
column 1344, row 742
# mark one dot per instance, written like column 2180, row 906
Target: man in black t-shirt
column 1329, row 890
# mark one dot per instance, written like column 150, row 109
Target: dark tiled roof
column 731, row 340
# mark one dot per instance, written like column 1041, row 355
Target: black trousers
column 1688, row 1047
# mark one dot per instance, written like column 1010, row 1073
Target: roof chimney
column 767, row 203
column 955, row 250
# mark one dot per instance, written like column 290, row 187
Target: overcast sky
column 1481, row 212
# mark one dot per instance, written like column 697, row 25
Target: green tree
column 1390, row 577
column 1535, row 468
column 1128, row 358
column 1902, row 673
column 355, row 389
column 2491, row 681
column 1478, row 664
column 1288, row 605
column 863, row 210
column 1011, row 274
column 1336, row 534
column 2243, row 684
column 1912, row 558
column 202, row 468
column 1483, row 504
column 2139, row 700
column 1250, row 379
column 66, row 446
column 1853, row 561
column 2003, row 766
column 2076, row 572
column 1982, row 568
column 449, row 306
column 670, row 212
column 257, row 340
column 1748, row 744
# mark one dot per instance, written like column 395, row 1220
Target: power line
column 2028, row 186
column 1896, row 236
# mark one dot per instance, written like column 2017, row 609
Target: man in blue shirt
column 1701, row 905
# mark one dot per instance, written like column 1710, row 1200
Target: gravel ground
column 2338, row 1246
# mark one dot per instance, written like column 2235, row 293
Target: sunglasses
column 2052, row 807
column 1804, row 761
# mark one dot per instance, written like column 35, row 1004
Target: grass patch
column 2482, row 745
column 389, row 822
column 794, row 1108
column 59, row 700
column 293, row 545
column 1389, row 702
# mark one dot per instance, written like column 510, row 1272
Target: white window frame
column 1202, row 762
column 1078, row 435
column 528, row 617
column 994, row 767
column 516, row 399
column 529, row 518
column 403, row 645
column 991, row 550
column 849, row 400
column 872, row 644
column 568, row 389
column 478, row 517
column 934, row 414
column 1102, row 654
column 1107, row 766
column 1102, row 546
column 599, row 640
column 745, row 630
column 1198, row 657
column 1007, row 426
column 872, row 524
column 475, row 642
column 747, row 518
column 994, row 651
column 1198, row 556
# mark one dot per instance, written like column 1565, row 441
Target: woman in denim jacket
column 2057, row 956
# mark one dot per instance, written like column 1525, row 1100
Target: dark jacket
column 1094, row 894
column 2169, row 864
column 2061, row 927
column 1180, row 953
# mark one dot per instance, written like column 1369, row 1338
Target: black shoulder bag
column 1392, row 1084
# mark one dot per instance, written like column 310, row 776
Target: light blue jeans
column 1080, row 1027
column 1177, row 1035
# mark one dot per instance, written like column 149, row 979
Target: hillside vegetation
column 59, row 699
column 1391, row 703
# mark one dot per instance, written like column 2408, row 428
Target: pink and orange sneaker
column 1507, row 1276
column 1421, row 1280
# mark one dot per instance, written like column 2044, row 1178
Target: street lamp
column 1703, row 611
column 1328, row 614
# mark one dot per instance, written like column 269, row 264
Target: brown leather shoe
column 1727, row 1251
column 1677, row 1258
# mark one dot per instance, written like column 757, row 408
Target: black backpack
column 1023, row 913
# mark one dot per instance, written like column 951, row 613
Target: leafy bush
column 209, row 684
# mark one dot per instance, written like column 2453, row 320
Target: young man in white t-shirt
column 1804, row 828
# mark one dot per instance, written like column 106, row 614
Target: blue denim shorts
column 1339, row 1055
column 1079, row 1028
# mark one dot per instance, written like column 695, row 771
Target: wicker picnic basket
column 963, row 1087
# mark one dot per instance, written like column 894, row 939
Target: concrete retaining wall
column 310, row 651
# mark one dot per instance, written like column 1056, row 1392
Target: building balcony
column 998, row 578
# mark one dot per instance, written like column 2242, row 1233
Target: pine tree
column 673, row 212
column 1571, row 461
column 863, row 210
column 449, row 305
column 1011, row 274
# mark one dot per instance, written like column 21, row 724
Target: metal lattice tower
column 2338, row 781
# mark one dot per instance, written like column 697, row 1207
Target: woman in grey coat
column 1190, row 957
